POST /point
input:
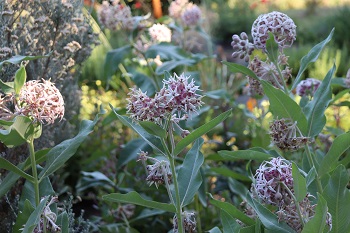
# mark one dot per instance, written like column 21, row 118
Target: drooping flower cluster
column 160, row 33
column 241, row 46
column 308, row 87
column 191, row 15
column 189, row 222
column 159, row 173
column 272, row 179
column 116, row 16
column 40, row 100
column 280, row 25
column 177, row 95
column 286, row 135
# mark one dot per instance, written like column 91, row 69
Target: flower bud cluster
column 189, row 222
column 40, row 100
column 191, row 15
column 116, row 16
column 159, row 173
column 284, row 133
column 242, row 48
column 159, row 33
column 177, row 94
column 176, row 7
column 308, row 87
column 272, row 179
column 280, row 25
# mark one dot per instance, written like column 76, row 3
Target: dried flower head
column 308, row 87
column 116, row 16
column 242, row 48
column 272, row 179
column 40, row 100
column 191, row 15
column 159, row 173
column 176, row 7
column 279, row 24
column 347, row 79
column 160, row 33
column 49, row 217
column 189, row 222
column 286, row 135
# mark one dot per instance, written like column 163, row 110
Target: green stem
column 34, row 171
column 296, row 203
column 312, row 163
column 199, row 225
column 281, row 77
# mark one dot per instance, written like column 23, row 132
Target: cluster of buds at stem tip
column 189, row 222
column 307, row 87
column 176, row 100
column 286, row 135
column 116, row 16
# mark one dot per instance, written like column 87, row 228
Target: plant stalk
column 34, row 171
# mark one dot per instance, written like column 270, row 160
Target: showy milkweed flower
column 189, row 222
column 115, row 16
column 40, row 100
column 176, row 7
column 286, row 135
column 272, row 179
column 242, row 48
column 308, row 87
column 280, row 25
column 160, row 33
column 159, row 173
column 191, row 15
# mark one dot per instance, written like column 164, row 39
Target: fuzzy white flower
column 160, row 33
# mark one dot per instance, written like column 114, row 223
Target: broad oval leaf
column 189, row 177
column 19, row 58
column 10, row 167
column 135, row 198
column 17, row 133
column 6, row 87
column 34, row 218
column 153, row 128
column 228, row 222
column 199, row 132
column 299, row 183
column 113, row 59
column 130, row 151
column 244, row 154
column 20, row 79
column 237, row 68
column 318, row 223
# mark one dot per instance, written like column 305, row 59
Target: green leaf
column 113, row 59
column 232, row 211
column 63, row 222
column 340, row 144
column 135, row 198
column 272, row 48
column 153, row 141
column 131, row 150
column 312, row 56
column 250, row 229
column 238, row 188
column 170, row 65
column 10, row 167
column 200, row 131
column 17, row 133
column 94, row 179
column 34, row 218
column 268, row 219
column 228, row 222
column 18, row 59
column 153, row 128
column 224, row 171
column 146, row 213
column 318, row 222
column 337, row 196
column 6, row 87
column 23, row 216
column 166, row 51
column 314, row 110
column 189, row 177
column 237, row 68
column 214, row 230
column 282, row 106
column 299, row 184
column 20, row 79
column 60, row 154
column 244, row 154
column 142, row 81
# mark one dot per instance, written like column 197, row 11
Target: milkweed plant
column 299, row 183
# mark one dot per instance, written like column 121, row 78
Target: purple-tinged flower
column 347, row 79
column 189, row 222
column 242, row 48
column 191, row 15
column 272, row 179
column 286, row 135
column 116, row 16
column 159, row 173
column 160, row 33
column 279, row 24
column 308, row 87
column 176, row 7
column 40, row 100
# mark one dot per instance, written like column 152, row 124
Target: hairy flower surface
column 189, row 222
column 308, row 87
column 284, row 134
column 272, row 179
column 176, row 7
column 160, row 33
column 280, row 25
column 115, row 16
column 40, row 100
column 191, row 15
column 159, row 173
column 242, row 48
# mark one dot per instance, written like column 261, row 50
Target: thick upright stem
column 34, row 171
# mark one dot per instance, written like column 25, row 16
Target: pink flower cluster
column 115, row 16
column 159, row 33
column 177, row 95
column 189, row 14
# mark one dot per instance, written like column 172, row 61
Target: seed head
column 280, row 25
